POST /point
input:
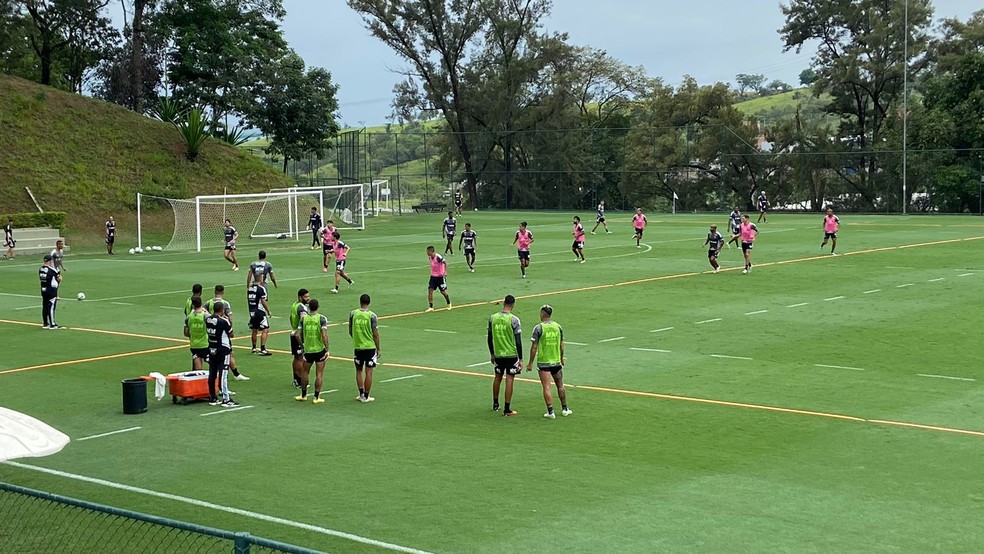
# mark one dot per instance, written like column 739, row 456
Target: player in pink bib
column 438, row 278
column 578, row 234
column 341, row 253
column 831, row 224
column 327, row 243
column 523, row 240
column 747, row 231
column 639, row 223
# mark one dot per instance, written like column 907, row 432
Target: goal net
column 343, row 204
column 199, row 222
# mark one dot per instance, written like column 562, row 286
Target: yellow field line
column 100, row 331
column 86, row 360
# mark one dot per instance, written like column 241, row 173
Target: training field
column 816, row 404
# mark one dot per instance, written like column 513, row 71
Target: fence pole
column 241, row 544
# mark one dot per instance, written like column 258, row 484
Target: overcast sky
column 713, row 40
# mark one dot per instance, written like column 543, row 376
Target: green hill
column 89, row 158
column 770, row 109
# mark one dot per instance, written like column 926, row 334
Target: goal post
column 344, row 204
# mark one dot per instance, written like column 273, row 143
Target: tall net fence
column 34, row 521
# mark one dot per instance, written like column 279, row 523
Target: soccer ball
column 80, row 296
column 133, row 251
column 158, row 248
column 138, row 250
column 476, row 209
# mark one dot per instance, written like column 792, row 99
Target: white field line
column 128, row 260
column 945, row 377
column 905, row 285
column 171, row 308
column 613, row 339
column 125, row 303
column 576, row 343
column 225, row 411
column 661, row 330
column 937, row 280
column 221, row 508
column 28, row 307
column 109, row 433
column 838, row 367
column 441, row 331
column 756, row 312
column 798, row 305
column 708, row 321
column 650, row 350
column 871, row 291
column 725, row 356
column 18, row 295
column 965, row 275
column 400, row 378
column 481, row 363
column 832, row 298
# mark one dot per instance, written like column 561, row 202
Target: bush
column 194, row 133
column 55, row 220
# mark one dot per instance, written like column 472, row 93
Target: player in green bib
column 196, row 292
column 364, row 330
column 194, row 329
column 548, row 351
column 312, row 330
column 297, row 309
column 506, row 351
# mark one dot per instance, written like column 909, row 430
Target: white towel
column 161, row 383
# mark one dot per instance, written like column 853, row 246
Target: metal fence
column 35, row 521
column 697, row 168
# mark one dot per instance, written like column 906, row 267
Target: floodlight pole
column 905, row 110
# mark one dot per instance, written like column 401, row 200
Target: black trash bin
column 134, row 396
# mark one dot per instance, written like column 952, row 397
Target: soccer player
column 763, row 207
column 110, row 235
column 58, row 255
column 8, row 239
column 578, row 234
column 231, row 234
column 600, row 220
column 194, row 329
column 50, row 278
column 831, row 223
column 341, row 254
column 639, row 223
column 196, row 292
column 227, row 314
column 314, row 224
column 523, row 240
column 297, row 309
column 259, row 270
column 548, row 351
column 505, row 351
column 364, row 330
column 259, row 316
column 747, row 231
column 448, row 229
column 313, row 334
column 219, row 330
column 734, row 220
column 438, row 278
column 714, row 243
column 327, row 243
column 470, row 239
column 457, row 201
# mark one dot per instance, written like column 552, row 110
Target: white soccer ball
column 158, row 248
column 476, row 209
column 80, row 296
column 133, row 251
column 138, row 250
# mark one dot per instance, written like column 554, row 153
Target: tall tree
column 860, row 63
column 748, row 81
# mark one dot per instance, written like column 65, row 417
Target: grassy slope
column 769, row 109
column 89, row 158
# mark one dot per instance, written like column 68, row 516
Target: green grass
column 643, row 465
column 90, row 158
column 771, row 109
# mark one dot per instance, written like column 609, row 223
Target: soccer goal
column 199, row 221
column 344, row 204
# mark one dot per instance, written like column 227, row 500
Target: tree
column 16, row 55
column 777, row 87
column 807, row 77
column 748, row 81
column 58, row 24
column 860, row 63
column 296, row 109
column 91, row 38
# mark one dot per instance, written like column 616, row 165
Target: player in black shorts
column 457, row 201
column 763, row 207
column 734, row 221
column 231, row 234
column 714, row 242
column 448, row 229
column 600, row 220
column 110, row 235
column 470, row 241
column 259, row 316
column 8, row 239
column 314, row 224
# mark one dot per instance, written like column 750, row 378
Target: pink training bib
column 438, row 267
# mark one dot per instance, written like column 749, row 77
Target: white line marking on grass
column 613, row 339
column 905, row 285
column 661, row 330
column 937, row 280
column 485, row 362
column 127, row 261
column 798, row 305
column 838, row 367
column 833, row 298
column 441, row 331
column 871, row 291
column 28, row 307
column 171, row 308
column 945, row 377
column 756, row 312
column 221, row 508
column 965, row 275
column 225, row 411
column 109, row 433
column 650, row 350
column 18, row 295
column 125, row 304
column 575, row 343
column 400, row 378
column 730, row 357
column 708, row 321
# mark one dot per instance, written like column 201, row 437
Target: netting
column 344, row 204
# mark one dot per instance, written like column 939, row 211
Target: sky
column 711, row 40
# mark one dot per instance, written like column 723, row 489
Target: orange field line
column 95, row 359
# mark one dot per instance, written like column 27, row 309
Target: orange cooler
column 188, row 386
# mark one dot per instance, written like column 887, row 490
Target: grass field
column 817, row 403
